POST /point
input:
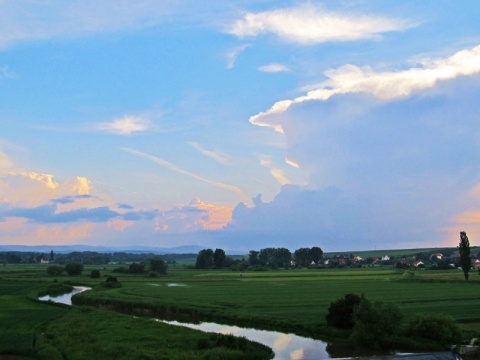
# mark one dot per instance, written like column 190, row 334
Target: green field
column 293, row 300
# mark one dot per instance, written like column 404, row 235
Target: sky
column 348, row 125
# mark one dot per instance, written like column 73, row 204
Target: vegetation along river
column 285, row 346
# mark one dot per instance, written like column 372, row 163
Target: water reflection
column 64, row 298
column 285, row 346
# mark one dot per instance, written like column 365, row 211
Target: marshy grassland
column 294, row 300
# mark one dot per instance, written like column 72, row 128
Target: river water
column 285, row 346
column 64, row 298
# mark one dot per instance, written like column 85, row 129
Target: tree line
column 267, row 257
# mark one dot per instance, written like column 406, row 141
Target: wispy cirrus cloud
column 127, row 125
column 386, row 85
column 273, row 68
column 232, row 188
column 309, row 24
column 38, row 20
column 215, row 155
column 232, row 55
column 277, row 173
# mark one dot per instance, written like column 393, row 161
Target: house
column 437, row 256
column 476, row 263
column 42, row 261
column 386, row 258
column 418, row 264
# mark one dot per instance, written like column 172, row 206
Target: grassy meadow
column 294, row 300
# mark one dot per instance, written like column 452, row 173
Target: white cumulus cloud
column 386, row 85
column 308, row 24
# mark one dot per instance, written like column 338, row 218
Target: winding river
column 285, row 346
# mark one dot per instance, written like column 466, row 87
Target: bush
column 340, row 312
column 74, row 268
column 376, row 324
column 120, row 270
column 112, row 282
column 136, row 268
column 95, row 274
column 55, row 270
column 440, row 328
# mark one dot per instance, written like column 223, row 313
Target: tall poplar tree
column 464, row 251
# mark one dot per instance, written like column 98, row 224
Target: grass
column 47, row 331
column 299, row 299
column 283, row 300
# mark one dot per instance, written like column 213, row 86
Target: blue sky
column 347, row 125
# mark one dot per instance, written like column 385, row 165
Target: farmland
column 294, row 300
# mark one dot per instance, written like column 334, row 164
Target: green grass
column 284, row 300
column 287, row 299
column 48, row 331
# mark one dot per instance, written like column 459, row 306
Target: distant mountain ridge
column 187, row 249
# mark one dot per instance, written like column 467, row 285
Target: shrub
column 340, row 312
column 74, row 268
column 120, row 270
column 55, row 270
column 95, row 274
column 136, row 268
column 376, row 324
column 440, row 328
column 112, row 282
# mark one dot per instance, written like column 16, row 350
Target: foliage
column 156, row 264
column 112, row 282
column 274, row 257
column 376, row 324
column 464, row 250
column 56, row 289
column 95, row 274
column 74, row 268
column 140, row 338
column 219, row 258
column 136, row 268
column 340, row 312
column 55, row 270
column 305, row 256
column 440, row 328
column 204, row 259
column 316, row 254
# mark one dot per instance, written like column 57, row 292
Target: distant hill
column 189, row 249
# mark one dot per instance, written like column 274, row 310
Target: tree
column 52, row 256
column 440, row 328
column 283, row 257
column 376, row 324
column 158, row 265
column 340, row 312
column 464, row 250
column 136, row 268
column 95, row 274
column 316, row 254
column 302, row 256
column 204, row 259
column 267, row 256
column 74, row 268
column 55, row 270
column 219, row 258
column 253, row 257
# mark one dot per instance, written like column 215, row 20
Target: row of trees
column 273, row 257
column 84, row 257
column 154, row 265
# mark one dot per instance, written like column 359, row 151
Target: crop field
column 294, row 300
column 300, row 297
